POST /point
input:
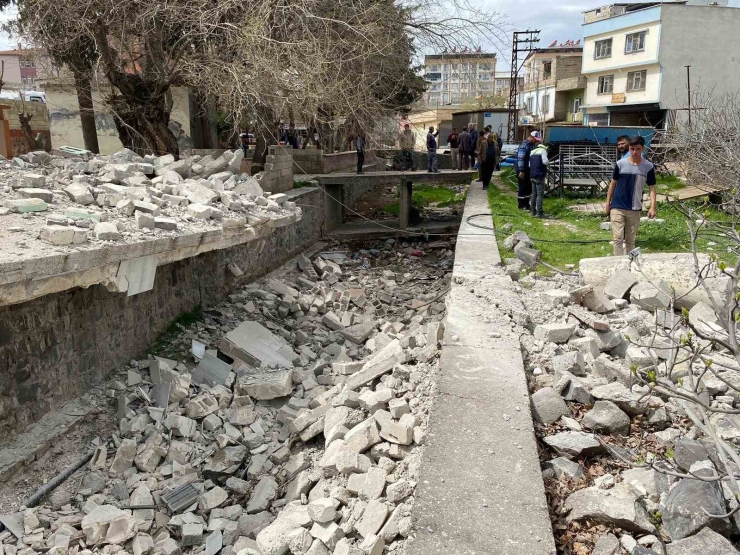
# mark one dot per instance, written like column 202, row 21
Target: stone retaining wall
column 57, row 346
column 277, row 177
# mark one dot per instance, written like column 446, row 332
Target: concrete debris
column 139, row 199
column 228, row 446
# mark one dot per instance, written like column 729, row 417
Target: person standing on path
column 500, row 145
column 487, row 154
column 538, row 173
column 465, row 146
column 406, row 142
column 524, row 193
column 454, row 139
column 473, row 143
column 624, row 199
column 360, row 146
column 432, row 150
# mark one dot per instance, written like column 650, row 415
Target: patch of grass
column 184, row 320
column 425, row 195
column 572, row 232
column 669, row 183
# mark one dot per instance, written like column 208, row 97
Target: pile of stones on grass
column 124, row 196
column 290, row 420
column 602, row 432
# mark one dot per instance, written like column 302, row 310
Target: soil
column 66, row 450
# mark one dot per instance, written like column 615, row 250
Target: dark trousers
column 407, row 160
column 486, row 172
column 360, row 160
column 432, row 161
column 525, row 191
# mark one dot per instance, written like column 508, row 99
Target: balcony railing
column 574, row 117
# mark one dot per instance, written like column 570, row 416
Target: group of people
column 631, row 174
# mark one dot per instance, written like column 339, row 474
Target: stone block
column 168, row 224
column 569, row 362
column 79, row 193
column 554, row 333
column 651, row 297
column 107, row 231
column 556, row 297
column 619, row 284
column 34, row 180
column 31, row 192
column 144, row 220
column 23, row 205
column 548, row 406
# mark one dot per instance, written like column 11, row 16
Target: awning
column 650, row 107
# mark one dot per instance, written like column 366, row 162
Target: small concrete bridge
column 337, row 186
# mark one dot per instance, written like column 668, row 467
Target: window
column 433, row 97
column 434, row 68
column 485, row 76
column 23, row 63
column 485, row 67
column 454, row 67
column 635, row 42
column 485, row 87
column 454, row 86
column 32, row 64
column 636, row 80
column 546, row 104
column 606, row 84
column 530, row 102
column 546, row 70
column 576, row 105
column 603, row 49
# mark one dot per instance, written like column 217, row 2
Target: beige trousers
column 625, row 224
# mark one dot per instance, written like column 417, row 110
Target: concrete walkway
column 480, row 489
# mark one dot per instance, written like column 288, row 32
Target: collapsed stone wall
column 277, row 177
column 57, row 346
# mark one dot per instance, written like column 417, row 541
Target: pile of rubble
column 601, row 431
column 67, row 200
column 289, row 421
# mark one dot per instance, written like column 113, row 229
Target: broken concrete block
column 264, row 386
column 358, row 333
column 79, row 193
column 200, row 211
column 57, row 234
column 30, row 192
column 650, row 297
column 556, row 297
column 369, row 485
column 264, row 492
column 256, row 345
column 597, row 301
column 530, row 257
column 107, row 231
column 328, row 533
column 167, row 224
column 569, row 362
column 372, row 519
column 108, row 524
column 124, row 457
column 144, row 220
column 212, row 499
column 554, row 333
column 322, row 510
column 548, row 406
column 619, row 284
column 23, row 205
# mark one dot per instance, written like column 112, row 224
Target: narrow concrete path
column 481, row 489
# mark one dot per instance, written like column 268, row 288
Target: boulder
column 705, row 542
column 565, row 469
column 607, row 417
column 569, row 362
column 618, row 506
column 625, row 399
column 651, row 297
column 548, row 406
column 685, row 505
column 575, row 444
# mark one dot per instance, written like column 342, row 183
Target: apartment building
column 553, row 86
column 502, row 83
column 455, row 77
column 635, row 58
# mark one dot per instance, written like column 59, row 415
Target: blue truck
column 586, row 134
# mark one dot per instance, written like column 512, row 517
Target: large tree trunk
column 83, row 85
column 144, row 128
column 25, row 121
column 260, row 154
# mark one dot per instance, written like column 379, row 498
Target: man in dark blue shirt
column 432, row 150
column 624, row 199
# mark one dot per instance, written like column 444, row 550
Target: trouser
column 453, row 155
column 360, row 160
column 525, row 191
column 538, row 192
column 432, row 162
column 625, row 224
column 464, row 160
column 407, row 159
column 486, row 172
column 472, row 159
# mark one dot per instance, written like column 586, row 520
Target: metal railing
column 581, row 168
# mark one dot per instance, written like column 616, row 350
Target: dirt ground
column 66, row 450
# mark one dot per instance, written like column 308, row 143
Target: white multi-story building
column 459, row 76
column 635, row 58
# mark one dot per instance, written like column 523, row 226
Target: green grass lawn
column 577, row 236
column 426, row 195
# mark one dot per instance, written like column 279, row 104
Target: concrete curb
column 481, row 488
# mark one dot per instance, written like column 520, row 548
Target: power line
column 525, row 44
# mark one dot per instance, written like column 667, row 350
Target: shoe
column 542, row 215
column 534, row 214
column 430, row 171
column 485, row 187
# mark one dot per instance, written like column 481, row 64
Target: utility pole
column 688, row 90
column 524, row 41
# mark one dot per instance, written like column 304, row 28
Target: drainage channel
column 291, row 417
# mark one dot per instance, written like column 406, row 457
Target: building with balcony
column 553, row 86
column 456, row 77
column 634, row 59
